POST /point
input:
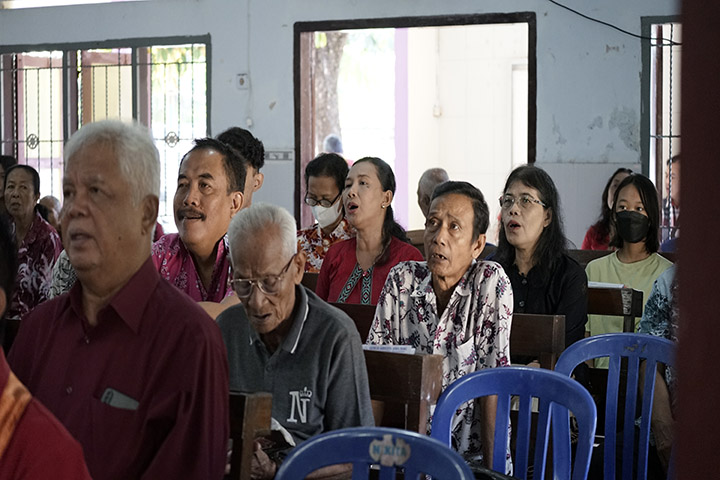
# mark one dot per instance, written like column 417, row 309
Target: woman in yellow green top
column 635, row 263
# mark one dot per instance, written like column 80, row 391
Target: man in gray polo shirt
column 284, row 340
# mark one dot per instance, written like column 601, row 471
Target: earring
column 383, row 206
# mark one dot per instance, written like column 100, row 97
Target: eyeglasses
column 323, row 202
column 269, row 285
column 524, row 201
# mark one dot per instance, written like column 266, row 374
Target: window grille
column 665, row 56
column 48, row 95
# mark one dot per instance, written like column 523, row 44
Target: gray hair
column 250, row 221
column 134, row 150
column 431, row 178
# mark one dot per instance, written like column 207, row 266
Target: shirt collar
column 130, row 301
column 424, row 287
column 299, row 317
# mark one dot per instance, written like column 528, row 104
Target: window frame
column 300, row 58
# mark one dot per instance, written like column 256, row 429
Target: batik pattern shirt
column 315, row 243
column 175, row 264
column 36, row 258
column 660, row 319
column 471, row 334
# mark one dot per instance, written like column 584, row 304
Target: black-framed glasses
column 269, row 284
column 312, row 201
column 524, row 201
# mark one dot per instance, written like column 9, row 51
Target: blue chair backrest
column 389, row 448
column 635, row 347
column 555, row 393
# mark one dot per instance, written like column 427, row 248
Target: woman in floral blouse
column 324, row 182
column 38, row 243
column 454, row 306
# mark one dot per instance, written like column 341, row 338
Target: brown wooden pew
column 583, row 257
column 310, row 280
column 403, row 387
column 539, row 336
column 249, row 418
column 622, row 302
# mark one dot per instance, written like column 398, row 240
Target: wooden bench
column 539, row 336
column 417, row 240
column 583, row 257
column 310, row 280
column 250, row 415
column 404, row 387
column 622, row 302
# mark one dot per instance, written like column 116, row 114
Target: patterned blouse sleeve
column 383, row 330
column 657, row 313
column 494, row 336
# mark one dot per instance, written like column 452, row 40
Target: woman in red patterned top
column 354, row 271
column 324, row 182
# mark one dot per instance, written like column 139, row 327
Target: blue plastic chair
column 389, row 448
column 556, row 393
column 635, row 347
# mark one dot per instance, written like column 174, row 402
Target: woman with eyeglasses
column 354, row 270
column 533, row 252
column 324, row 182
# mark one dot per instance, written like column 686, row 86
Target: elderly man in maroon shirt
column 134, row 369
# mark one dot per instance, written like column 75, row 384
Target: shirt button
column 68, row 390
column 326, row 242
column 87, row 340
column 521, row 303
column 524, row 281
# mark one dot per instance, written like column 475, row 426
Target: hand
column 262, row 467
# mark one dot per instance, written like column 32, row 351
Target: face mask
column 632, row 226
column 326, row 216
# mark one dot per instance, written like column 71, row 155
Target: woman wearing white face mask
column 324, row 182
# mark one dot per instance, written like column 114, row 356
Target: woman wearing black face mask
column 635, row 264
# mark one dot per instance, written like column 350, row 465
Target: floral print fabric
column 471, row 334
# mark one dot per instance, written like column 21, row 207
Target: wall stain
column 556, row 130
column 596, row 123
column 625, row 120
column 609, row 49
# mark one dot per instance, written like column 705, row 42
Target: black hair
column 7, row 161
column 481, row 213
column 552, row 243
column 234, row 162
column 33, row 173
column 8, row 259
column 602, row 226
column 649, row 198
column 42, row 210
column 328, row 165
column 390, row 227
column 244, row 142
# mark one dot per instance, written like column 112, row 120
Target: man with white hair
column 285, row 340
column 430, row 179
column 133, row 368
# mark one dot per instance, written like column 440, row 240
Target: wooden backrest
column 362, row 315
column 407, row 385
column 583, row 257
column 417, row 241
column 249, row 418
column 310, row 280
column 540, row 336
column 623, row 302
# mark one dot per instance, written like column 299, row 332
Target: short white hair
column 134, row 150
column 247, row 223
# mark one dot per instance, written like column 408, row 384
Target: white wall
column 588, row 74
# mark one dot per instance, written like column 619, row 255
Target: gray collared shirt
column 317, row 377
